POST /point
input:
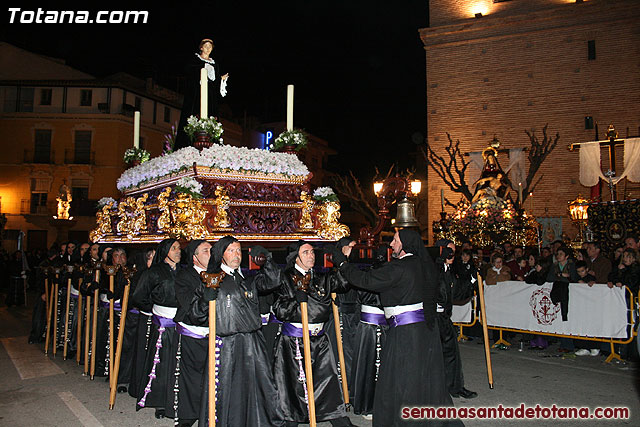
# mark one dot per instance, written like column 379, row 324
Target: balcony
column 73, row 157
column 43, row 157
column 26, row 208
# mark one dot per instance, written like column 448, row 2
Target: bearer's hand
column 210, row 294
column 259, row 250
column 301, row 296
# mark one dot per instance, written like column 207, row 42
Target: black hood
column 412, row 243
column 293, row 250
column 218, row 251
column 163, row 250
column 190, row 250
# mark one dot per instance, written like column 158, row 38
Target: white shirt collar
column 229, row 270
column 300, row 269
column 210, row 60
column 407, row 254
column 199, row 269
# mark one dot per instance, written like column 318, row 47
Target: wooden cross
column 611, row 142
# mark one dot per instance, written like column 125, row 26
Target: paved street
column 41, row 391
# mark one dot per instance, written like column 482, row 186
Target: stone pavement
column 37, row 390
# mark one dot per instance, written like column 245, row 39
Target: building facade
column 498, row 67
column 60, row 126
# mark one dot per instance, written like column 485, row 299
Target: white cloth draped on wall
column 516, row 167
column 591, row 170
column 475, row 167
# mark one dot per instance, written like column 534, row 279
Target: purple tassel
column 302, row 377
column 152, row 374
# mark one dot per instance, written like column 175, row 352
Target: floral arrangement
column 136, row 155
column 105, row 201
column 226, row 158
column 190, row 186
column 325, row 194
column 210, row 125
column 294, row 137
column 170, row 140
column 487, row 222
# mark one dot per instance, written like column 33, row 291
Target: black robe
column 349, row 313
column 412, row 369
column 39, row 318
column 191, row 103
column 448, row 280
column 329, row 402
column 157, row 287
column 368, row 343
column 193, row 351
column 246, row 394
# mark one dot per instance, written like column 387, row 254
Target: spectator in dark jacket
column 563, row 270
column 599, row 266
column 627, row 273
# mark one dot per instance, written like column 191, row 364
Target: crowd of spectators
column 558, row 264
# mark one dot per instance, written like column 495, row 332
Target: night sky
column 357, row 66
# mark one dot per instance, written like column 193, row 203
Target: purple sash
column 273, row 319
column 163, row 321
column 116, row 305
column 406, row 318
column 134, row 311
column 293, row 331
column 187, row 333
column 373, row 318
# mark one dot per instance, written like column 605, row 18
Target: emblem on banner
column 544, row 310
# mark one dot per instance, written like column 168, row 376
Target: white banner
column 462, row 313
column 593, row 312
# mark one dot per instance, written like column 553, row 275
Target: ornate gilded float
column 254, row 195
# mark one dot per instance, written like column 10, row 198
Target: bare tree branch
column 453, row 170
column 362, row 202
column 538, row 153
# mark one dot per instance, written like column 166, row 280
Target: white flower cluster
column 224, row 157
column 291, row 137
column 323, row 192
column 209, row 125
column 105, row 201
column 190, row 184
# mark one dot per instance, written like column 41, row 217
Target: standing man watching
column 450, row 286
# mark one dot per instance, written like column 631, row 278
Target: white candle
column 136, row 129
column 204, row 94
column 290, row 107
column 520, row 193
column 442, row 200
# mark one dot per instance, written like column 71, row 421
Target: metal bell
column 406, row 216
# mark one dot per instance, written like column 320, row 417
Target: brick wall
column 508, row 72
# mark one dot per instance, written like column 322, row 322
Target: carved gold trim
column 306, row 222
column 328, row 216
